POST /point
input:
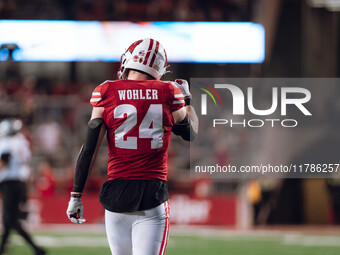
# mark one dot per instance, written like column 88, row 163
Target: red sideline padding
column 215, row 210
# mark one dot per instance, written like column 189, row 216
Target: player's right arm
column 186, row 120
column 86, row 158
column 88, row 153
column 94, row 135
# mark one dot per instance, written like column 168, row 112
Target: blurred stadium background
column 271, row 216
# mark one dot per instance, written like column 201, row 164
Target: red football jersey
column 138, row 117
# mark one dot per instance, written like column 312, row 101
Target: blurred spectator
column 46, row 180
column 25, row 94
column 133, row 10
column 333, row 185
column 202, row 187
column 263, row 195
column 48, row 136
column 183, row 10
column 68, row 178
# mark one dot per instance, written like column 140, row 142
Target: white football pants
column 138, row 233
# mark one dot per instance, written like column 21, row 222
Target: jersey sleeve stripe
column 179, row 95
column 178, row 102
column 96, row 94
column 95, row 99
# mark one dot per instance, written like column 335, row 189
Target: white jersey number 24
column 153, row 116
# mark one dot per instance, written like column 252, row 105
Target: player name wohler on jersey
column 138, row 94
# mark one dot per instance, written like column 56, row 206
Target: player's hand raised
column 75, row 210
column 183, row 85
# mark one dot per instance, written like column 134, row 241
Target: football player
column 15, row 155
column 138, row 111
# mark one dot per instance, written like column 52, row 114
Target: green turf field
column 271, row 243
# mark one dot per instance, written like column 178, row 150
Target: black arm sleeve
column 86, row 154
column 184, row 129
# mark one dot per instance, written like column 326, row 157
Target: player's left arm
column 94, row 135
column 185, row 118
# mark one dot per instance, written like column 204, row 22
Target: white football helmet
column 146, row 55
column 10, row 127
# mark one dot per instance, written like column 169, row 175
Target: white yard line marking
column 66, row 241
column 311, row 240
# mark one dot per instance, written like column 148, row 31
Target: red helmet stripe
column 148, row 53
column 154, row 55
column 166, row 59
column 133, row 46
